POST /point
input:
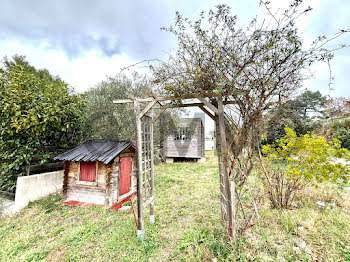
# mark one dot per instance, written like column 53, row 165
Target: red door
column 125, row 175
column 87, row 171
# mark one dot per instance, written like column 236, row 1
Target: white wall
column 34, row 187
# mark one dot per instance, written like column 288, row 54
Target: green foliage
column 309, row 156
column 35, row 109
column 343, row 135
column 105, row 120
column 340, row 123
column 295, row 114
column 112, row 121
column 309, row 102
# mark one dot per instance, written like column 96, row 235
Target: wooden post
column 223, row 155
column 217, row 148
column 140, row 230
column 151, row 212
column 65, row 180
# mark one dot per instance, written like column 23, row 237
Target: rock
column 301, row 244
column 321, row 204
column 296, row 249
column 308, row 250
column 301, row 228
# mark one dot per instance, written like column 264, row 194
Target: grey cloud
column 113, row 27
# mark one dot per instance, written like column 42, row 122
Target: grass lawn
column 188, row 226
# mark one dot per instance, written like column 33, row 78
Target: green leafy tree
column 296, row 115
column 105, row 120
column 36, row 109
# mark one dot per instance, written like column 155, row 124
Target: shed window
column 183, row 134
column 87, row 171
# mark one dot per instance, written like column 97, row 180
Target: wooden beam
column 140, row 231
column 207, row 112
column 208, row 104
column 165, row 98
column 147, row 108
column 159, row 113
column 43, row 167
column 151, row 211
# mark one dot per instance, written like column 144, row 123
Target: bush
column 304, row 159
column 343, row 135
column 309, row 156
column 36, row 109
column 280, row 186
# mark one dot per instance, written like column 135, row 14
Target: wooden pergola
column 144, row 119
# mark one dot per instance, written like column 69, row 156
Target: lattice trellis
column 145, row 158
column 146, row 170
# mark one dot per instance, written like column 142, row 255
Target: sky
column 83, row 41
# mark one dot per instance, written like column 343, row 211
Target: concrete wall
column 31, row 188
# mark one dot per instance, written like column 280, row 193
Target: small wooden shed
column 187, row 142
column 99, row 172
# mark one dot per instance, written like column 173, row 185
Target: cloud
column 113, row 27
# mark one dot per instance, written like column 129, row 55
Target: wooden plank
column 139, row 166
column 147, row 108
column 161, row 111
column 65, row 179
column 208, row 104
column 207, row 112
column 166, row 98
column 43, row 167
column 151, row 211
column 122, row 197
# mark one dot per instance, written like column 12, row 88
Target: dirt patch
column 56, row 255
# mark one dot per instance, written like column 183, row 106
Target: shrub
column 343, row 135
column 309, row 156
column 280, row 186
column 304, row 159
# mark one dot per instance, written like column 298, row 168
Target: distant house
column 186, row 142
column 99, row 172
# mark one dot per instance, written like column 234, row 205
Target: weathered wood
column 223, row 152
column 43, row 167
column 139, row 168
column 130, row 193
column 166, row 98
column 65, row 179
column 192, row 148
column 161, row 111
column 207, row 112
column 208, row 104
column 108, row 184
column 147, row 108
column 151, row 211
